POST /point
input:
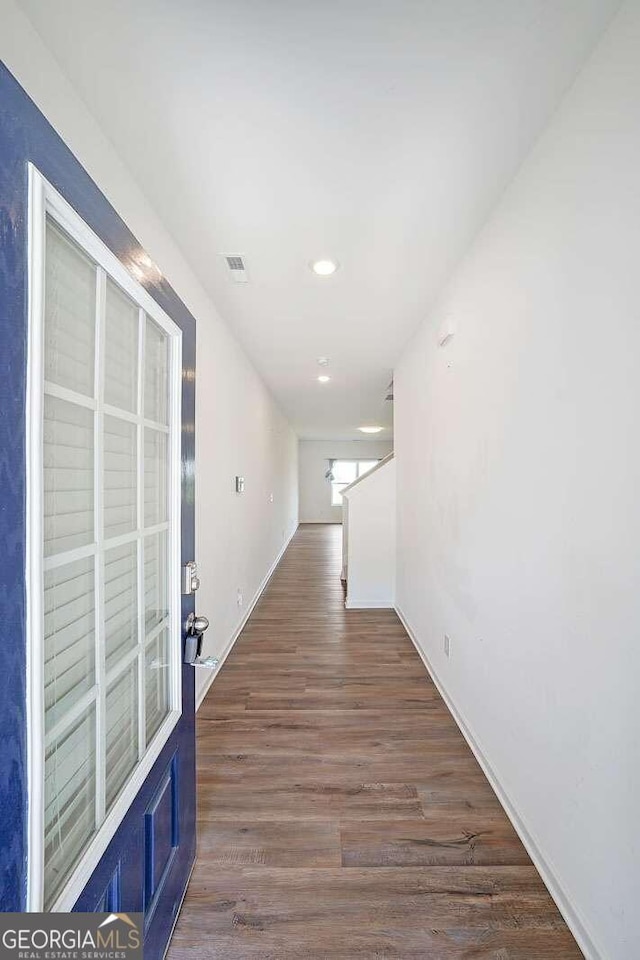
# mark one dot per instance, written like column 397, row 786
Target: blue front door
column 145, row 861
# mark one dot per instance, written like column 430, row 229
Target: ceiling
column 376, row 132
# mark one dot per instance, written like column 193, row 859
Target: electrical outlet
column 239, row 598
column 447, row 645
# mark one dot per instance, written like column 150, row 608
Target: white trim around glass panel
column 103, row 544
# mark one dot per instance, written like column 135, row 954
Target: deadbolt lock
column 190, row 578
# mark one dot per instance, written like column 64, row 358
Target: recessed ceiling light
column 370, row 429
column 324, row 268
column 324, row 378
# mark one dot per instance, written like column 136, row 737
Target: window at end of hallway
column 344, row 472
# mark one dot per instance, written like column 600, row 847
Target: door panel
column 147, row 863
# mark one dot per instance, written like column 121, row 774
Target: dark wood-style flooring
column 341, row 813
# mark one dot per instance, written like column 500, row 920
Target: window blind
column 157, row 685
column 155, row 374
column 70, row 806
column 155, row 477
column 122, row 731
column 120, row 498
column 69, row 636
column 120, row 349
column 156, row 600
column 68, row 460
column 70, row 307
column 120, row 603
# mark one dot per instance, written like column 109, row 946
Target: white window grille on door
column 103, row 546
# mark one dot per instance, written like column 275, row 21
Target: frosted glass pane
column 69, row 798
column 69, row 636
column 121, row 350
column 120, row 602
column 157, row 683
column 155, row 477
column 120, row 504
column 156, row 605
column 156, row 368
column 69, row 314
column 68, row 475
column 122, row 731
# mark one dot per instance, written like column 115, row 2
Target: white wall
column 371, row 539
column 238, row 426
column 518, row 487
column 314, row 492
column 239, row 535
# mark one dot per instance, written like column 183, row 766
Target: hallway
column 341, row 813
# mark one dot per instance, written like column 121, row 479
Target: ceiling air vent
column 236, row 267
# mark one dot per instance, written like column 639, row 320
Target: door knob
column 194, row 629
column 199, row 625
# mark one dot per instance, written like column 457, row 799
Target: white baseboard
column 367, row 604
column 573, row 919
column 239, row 628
